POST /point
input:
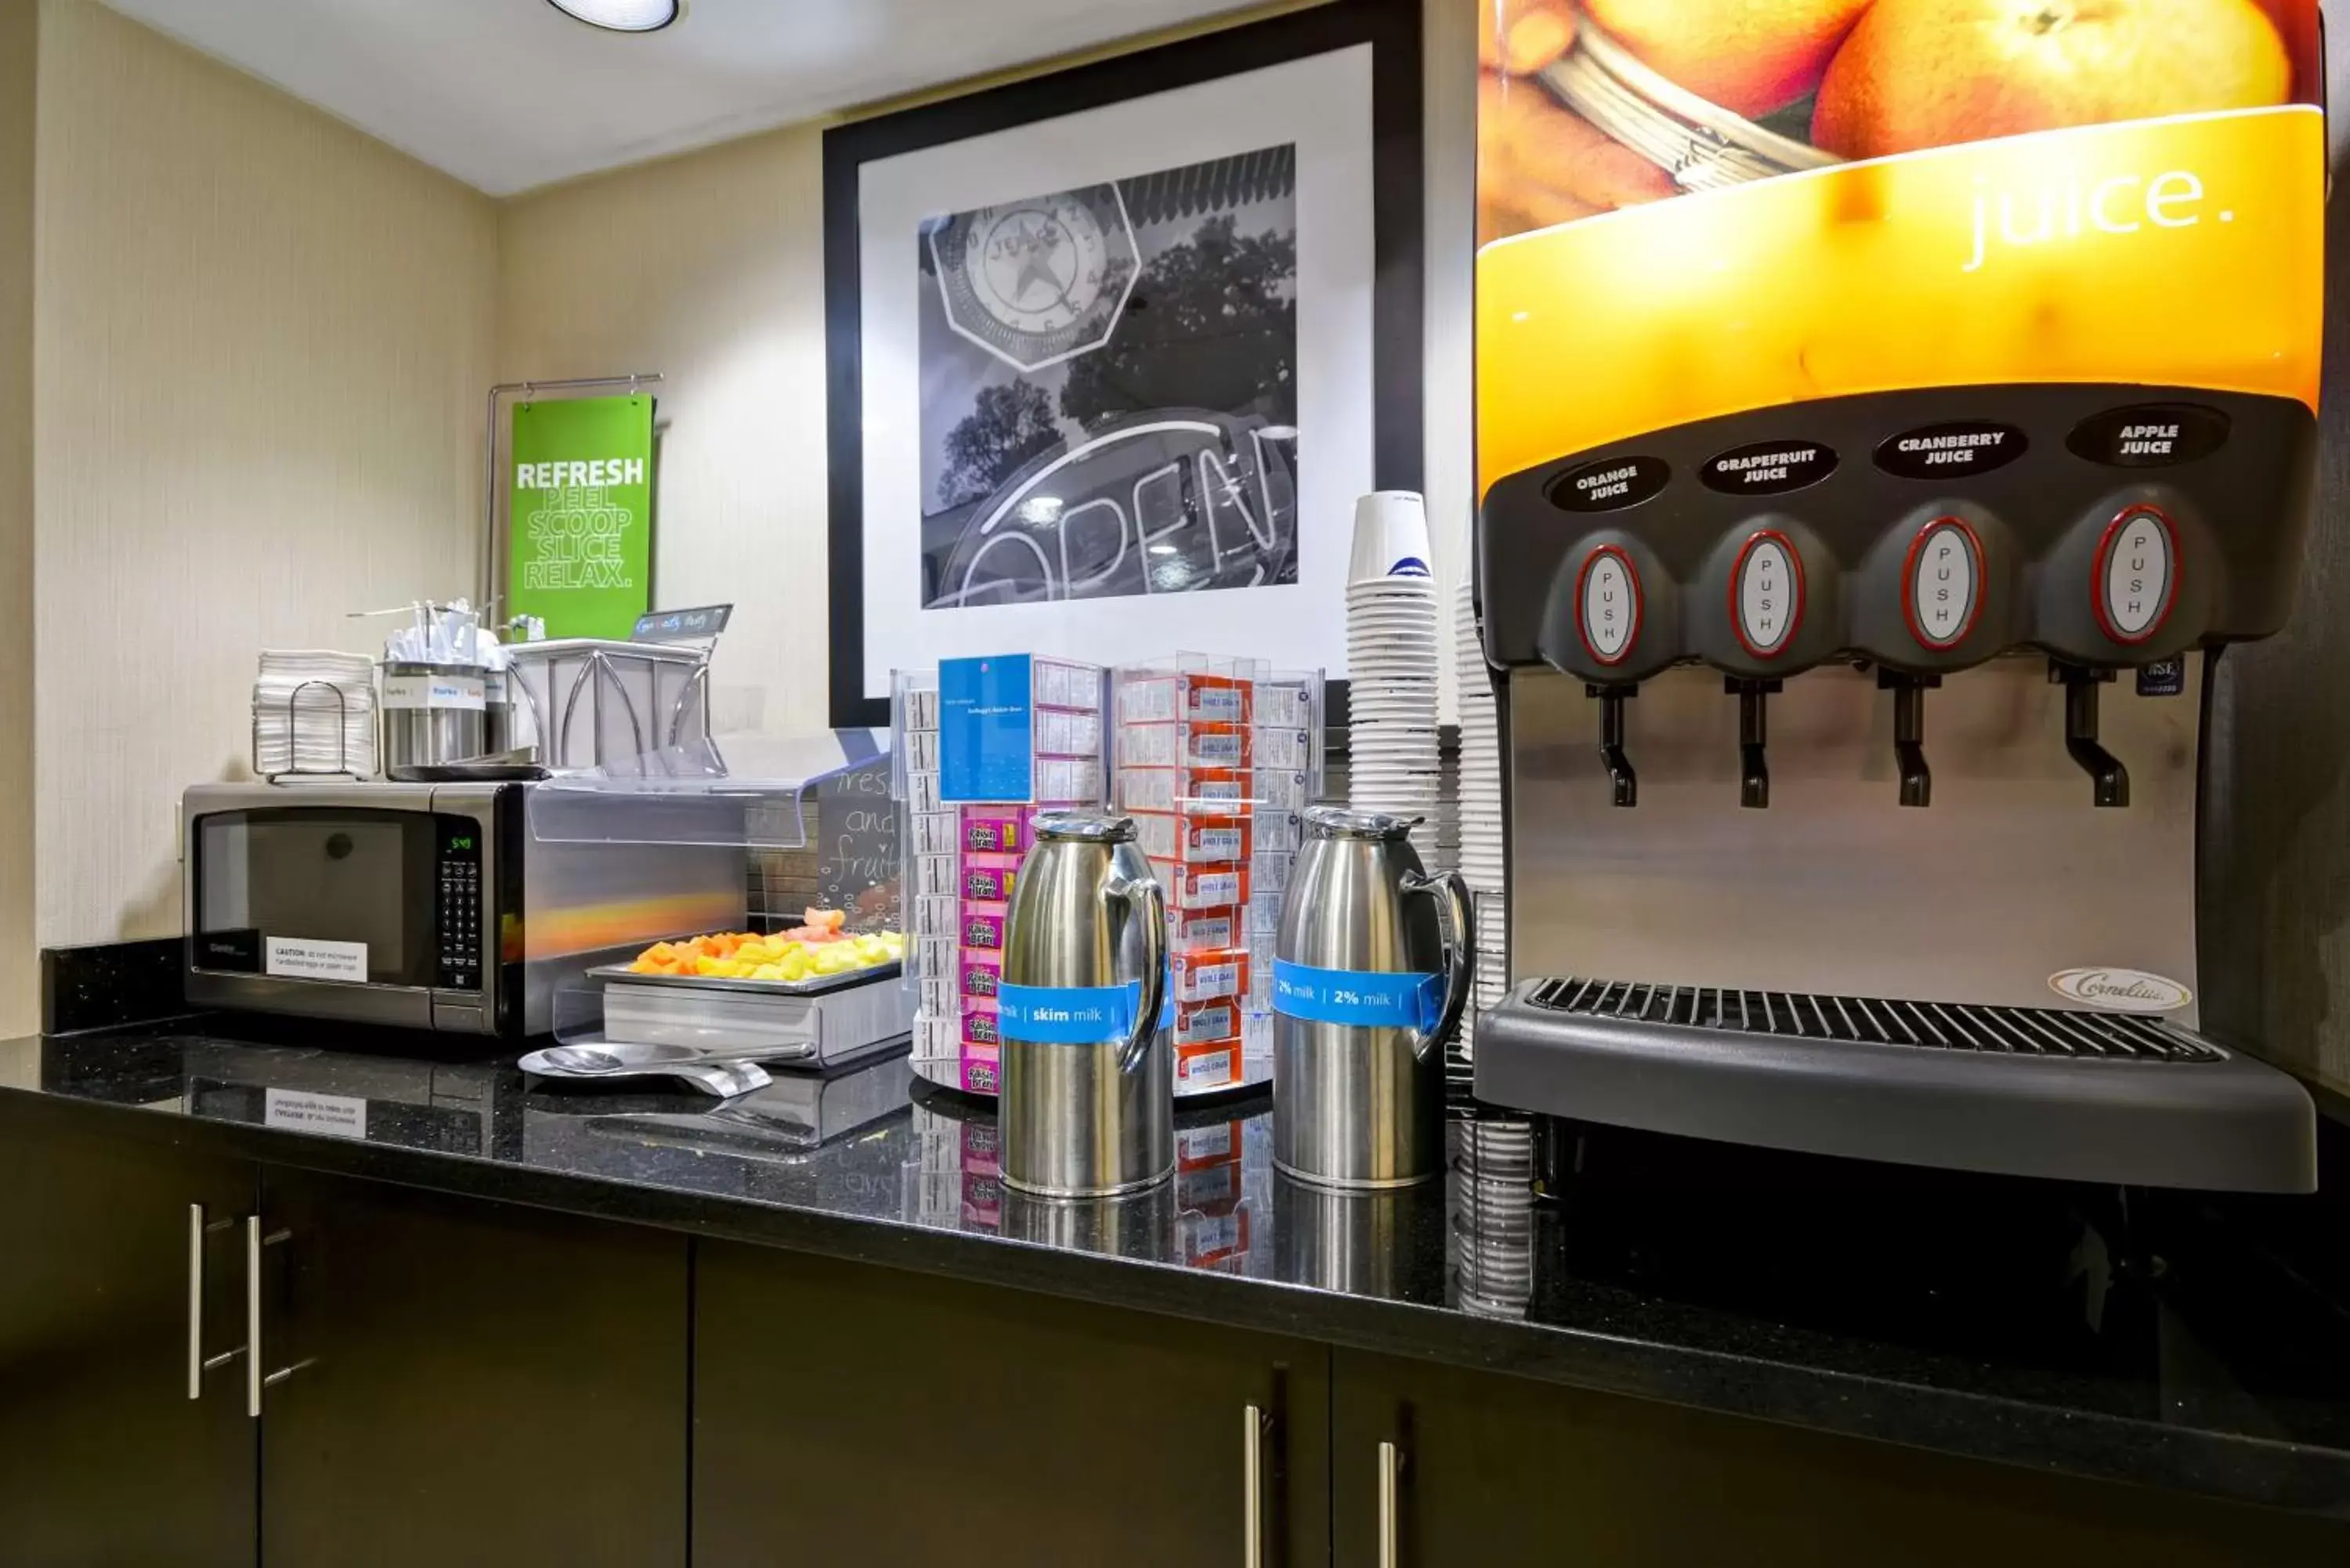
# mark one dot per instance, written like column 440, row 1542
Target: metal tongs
column 722, row 1075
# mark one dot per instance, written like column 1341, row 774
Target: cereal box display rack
column 1214, row 758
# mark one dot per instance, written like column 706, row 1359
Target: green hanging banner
column 579, row 535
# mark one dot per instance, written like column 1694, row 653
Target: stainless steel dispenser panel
column 2011, row 877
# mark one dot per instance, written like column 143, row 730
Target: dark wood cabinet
column 461, row 1382
column 1498, row 1469
column 464, row 1382
column 104, row 1457
column 850, row 1414
column 468, row 1383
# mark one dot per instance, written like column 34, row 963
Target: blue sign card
column 986, row 729
column 1067, row 1014
column 1358, row 999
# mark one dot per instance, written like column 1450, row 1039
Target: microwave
column 425, row 906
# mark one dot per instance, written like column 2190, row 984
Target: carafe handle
column 1453, row 922
column 1148, row 904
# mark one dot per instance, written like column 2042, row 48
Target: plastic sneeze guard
column 752, row 790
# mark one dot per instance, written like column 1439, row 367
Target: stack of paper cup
column 1392, row 647
column 1480, row 808
column 1446, row 823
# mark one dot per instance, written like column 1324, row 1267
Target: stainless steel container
column 433, row 713
column 1087, row 1102
column 1133, row 1225
column 1366, row 1243
column 497, row 712
column 1372, row 970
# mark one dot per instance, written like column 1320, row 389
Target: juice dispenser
column 1887, row 414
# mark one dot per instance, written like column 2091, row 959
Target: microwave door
column 320, row 911
column 345, row 895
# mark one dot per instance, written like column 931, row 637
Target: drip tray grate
column 1876, row 1021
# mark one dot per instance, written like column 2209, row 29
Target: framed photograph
column 1113, row 350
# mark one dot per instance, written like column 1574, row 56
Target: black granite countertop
column 2180, row 1342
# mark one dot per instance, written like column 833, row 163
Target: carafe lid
column 1083, row 827
column 1342, row 822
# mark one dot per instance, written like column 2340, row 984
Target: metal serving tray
column 620, row 973
column 819, row 1023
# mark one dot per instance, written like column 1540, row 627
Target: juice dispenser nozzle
column 1909, row 733
column 2108, row 780
column 1612, row 698
column 1754, row 770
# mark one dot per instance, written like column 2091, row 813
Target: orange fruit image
column 2296, row 24
column 1751, row 55
column 1521, row 36
column 1930, row 73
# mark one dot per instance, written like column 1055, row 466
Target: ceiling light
column 622, row 16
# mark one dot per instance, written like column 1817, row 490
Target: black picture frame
column 1392, row 29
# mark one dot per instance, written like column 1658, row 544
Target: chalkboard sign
column 855, row 831
column 682, row 626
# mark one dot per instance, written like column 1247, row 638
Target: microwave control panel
column 460, row 903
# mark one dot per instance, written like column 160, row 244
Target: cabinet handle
column 198, row 1363
column 1390, row 1471
column 195, row 1301
column 254, row 1378
column 252, row 1315
column 1252, row 1487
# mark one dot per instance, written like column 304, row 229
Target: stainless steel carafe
column 1087, row 1095
column 1371, row 970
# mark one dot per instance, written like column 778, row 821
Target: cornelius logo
column 2123, row 990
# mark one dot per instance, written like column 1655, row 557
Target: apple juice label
column 1203, row 1071
column 1228, row 704
column 1210, row 1144
column 1205, row 931
column 1209, row 981
column 1218, row 748
column 1202, row 1025
column 1219, row 842
column 1213, row 887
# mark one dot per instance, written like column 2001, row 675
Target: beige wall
column 1448, row 39
column 18, row 1004
column 262, row 339
column 709, row 268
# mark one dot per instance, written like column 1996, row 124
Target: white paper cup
column 1391, row 537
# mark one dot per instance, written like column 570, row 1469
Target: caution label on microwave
column 314, row 959
column 337, row 1115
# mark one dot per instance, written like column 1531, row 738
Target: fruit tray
column 821, row 1022
column 619, row 973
